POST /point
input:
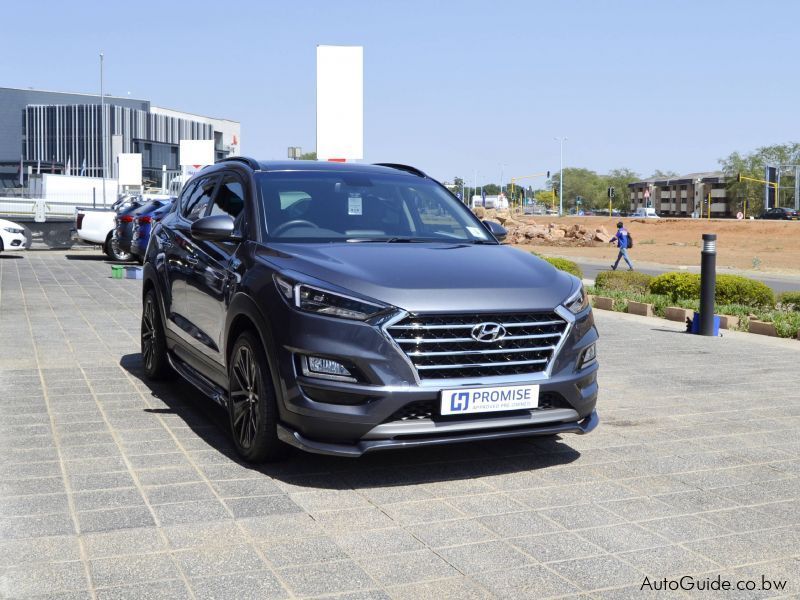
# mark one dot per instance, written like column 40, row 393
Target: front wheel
column 251, row 403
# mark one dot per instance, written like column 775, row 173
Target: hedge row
column 731, row 289
column 562, row 264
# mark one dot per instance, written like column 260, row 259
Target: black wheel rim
column 148, row 334
column 245, row 397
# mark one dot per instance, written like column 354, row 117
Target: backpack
column 630, row 240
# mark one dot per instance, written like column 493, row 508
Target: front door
column 216, row 274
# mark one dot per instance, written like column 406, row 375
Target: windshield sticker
column 476, row 231
column 354, row 204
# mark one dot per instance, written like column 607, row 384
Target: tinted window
column 352, row 206
column 230, row 200
column 197, row 202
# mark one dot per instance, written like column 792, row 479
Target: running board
column 202, row 383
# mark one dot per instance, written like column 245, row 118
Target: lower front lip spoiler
column 294, row 438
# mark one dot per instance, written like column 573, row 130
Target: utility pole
column 102, row 129
column 561, row 178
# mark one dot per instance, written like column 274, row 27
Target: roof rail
column 406, row 168
column 250, row 162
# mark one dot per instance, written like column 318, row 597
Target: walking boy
column 624, row 241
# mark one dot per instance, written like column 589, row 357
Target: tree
column 309, row 155
column 619, row 179
column 659, row 174
column 753, row 165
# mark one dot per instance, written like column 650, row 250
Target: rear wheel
column 116, row 252
column 252, row 407
column 153, row 341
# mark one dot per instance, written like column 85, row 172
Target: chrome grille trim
column 435, row 356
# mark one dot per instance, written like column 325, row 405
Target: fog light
column 589, row 355
column 316, row 366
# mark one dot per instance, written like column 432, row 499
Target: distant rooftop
column 706, row 176
column 94, row 94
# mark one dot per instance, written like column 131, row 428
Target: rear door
column 216, row 274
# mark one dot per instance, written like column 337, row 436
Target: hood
column 429, row 277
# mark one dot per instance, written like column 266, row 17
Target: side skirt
column 193, row 376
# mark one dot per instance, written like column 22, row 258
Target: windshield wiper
column 389, row 240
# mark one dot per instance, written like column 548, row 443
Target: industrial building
column 684, row 195
column 59, row 132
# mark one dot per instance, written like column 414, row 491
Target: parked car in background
column 782, row 213
column 12, row 236
column 123, row 227
column 96, row 225
column 645, row 213
column 143, row 225
column 335, row 308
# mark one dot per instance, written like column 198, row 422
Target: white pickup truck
column 95, row 226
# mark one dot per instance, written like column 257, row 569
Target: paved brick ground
column 112, row 488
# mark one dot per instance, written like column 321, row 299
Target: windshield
column 358, row 207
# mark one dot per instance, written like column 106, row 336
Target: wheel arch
column 244, row 314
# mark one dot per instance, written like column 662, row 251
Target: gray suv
column 343, row 309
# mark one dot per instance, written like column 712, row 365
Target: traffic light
column 739, row 178
column 612, row 193
column 548, row 174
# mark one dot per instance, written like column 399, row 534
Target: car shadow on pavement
column 451, row 462
column 4, row 256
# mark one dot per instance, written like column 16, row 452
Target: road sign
column 647, row 193
column 739, row 215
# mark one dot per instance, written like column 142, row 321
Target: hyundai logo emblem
column 488, row 332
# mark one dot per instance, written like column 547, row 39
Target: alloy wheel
column 244, row 397
column 148, row 334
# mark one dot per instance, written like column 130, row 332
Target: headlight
column 578, row 302
column 324, row 302
column 13, row 230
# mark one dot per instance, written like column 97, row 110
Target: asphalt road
column 777, row 283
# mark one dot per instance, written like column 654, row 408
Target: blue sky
column 451, row 87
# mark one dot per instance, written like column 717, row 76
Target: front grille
column 442, row 347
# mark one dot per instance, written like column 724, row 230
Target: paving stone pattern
column 111, row 487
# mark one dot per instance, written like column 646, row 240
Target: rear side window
column 196, row 203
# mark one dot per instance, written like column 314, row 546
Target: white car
column 12, row 236
column 645, row 213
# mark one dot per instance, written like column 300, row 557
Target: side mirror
column 496, row 230
column 216, row 228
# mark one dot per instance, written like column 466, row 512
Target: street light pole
column 561, row 178
column 103, row 129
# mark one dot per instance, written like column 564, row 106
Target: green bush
column 731, row 289
column 622, row 281
column 563, row 264
column 790, row 300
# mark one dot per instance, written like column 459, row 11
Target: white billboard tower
column 340, row 103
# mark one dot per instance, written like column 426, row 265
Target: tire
column 153, row 341
column 1, row 245
column 252, row 408
column 116, row 253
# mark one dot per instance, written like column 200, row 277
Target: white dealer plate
column 464, row 401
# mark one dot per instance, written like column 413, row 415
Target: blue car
column 143, row 224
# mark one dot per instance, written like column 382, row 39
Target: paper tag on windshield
column 354, row 204
column 476, row 231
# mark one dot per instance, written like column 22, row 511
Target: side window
column 230, row 201
column 196, row 203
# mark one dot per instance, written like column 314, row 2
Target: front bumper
column 14, row 241
column 351, row 418
column 297, row 440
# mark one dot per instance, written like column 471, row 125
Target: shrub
column 564, row 265
column 731, row 289
column 676, row 285
column 790, row 300
column 622, row 281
